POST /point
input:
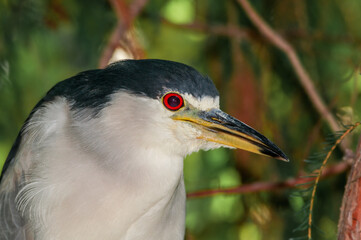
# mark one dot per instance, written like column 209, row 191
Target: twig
column 303, row 76
column 137, row 7
column 267, row 186
column 228, row 30
column 126, row 16
column 319, row 174
column 112, row 45
column 237, row 32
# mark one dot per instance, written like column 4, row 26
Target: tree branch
column 303, row 76
column 113, row 43
column 267, row 186
column 349, row 225
column 234, row 31
column 126, row 16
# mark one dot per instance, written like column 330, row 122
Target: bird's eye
column 173, row 101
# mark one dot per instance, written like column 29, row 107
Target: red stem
column 267, row 186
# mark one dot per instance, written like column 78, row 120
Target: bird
column 100, row 156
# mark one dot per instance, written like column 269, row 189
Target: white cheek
column 204, row 103
column 186, row 134
column 132, row 122
column 189, row 139
column 128, row 124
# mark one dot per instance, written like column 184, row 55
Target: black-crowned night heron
column 101, row 155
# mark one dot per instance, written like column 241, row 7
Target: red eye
column 173, row 101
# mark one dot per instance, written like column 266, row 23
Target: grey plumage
column 101, row 156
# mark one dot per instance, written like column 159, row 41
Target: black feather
column 93, row 89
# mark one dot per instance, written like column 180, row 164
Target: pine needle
column 319, row 173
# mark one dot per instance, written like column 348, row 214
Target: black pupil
column 173, row 101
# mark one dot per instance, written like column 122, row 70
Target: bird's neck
column 141, row 199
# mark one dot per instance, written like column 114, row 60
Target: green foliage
column 317, row 164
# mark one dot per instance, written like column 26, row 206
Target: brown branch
column 303, row 76
column 269, row 186
column 319, row 174
column 234, row 31
column 112, row 45
column 349, row 225
column 137, row 7
column 229, row 30
column 126, row 16
column 122, row 11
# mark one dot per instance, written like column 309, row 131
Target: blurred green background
column 45, row 41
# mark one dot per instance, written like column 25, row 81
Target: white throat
column 88, row 194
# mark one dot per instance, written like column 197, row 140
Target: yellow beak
column 217, row 126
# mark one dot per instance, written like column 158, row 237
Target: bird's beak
column 217, row 126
